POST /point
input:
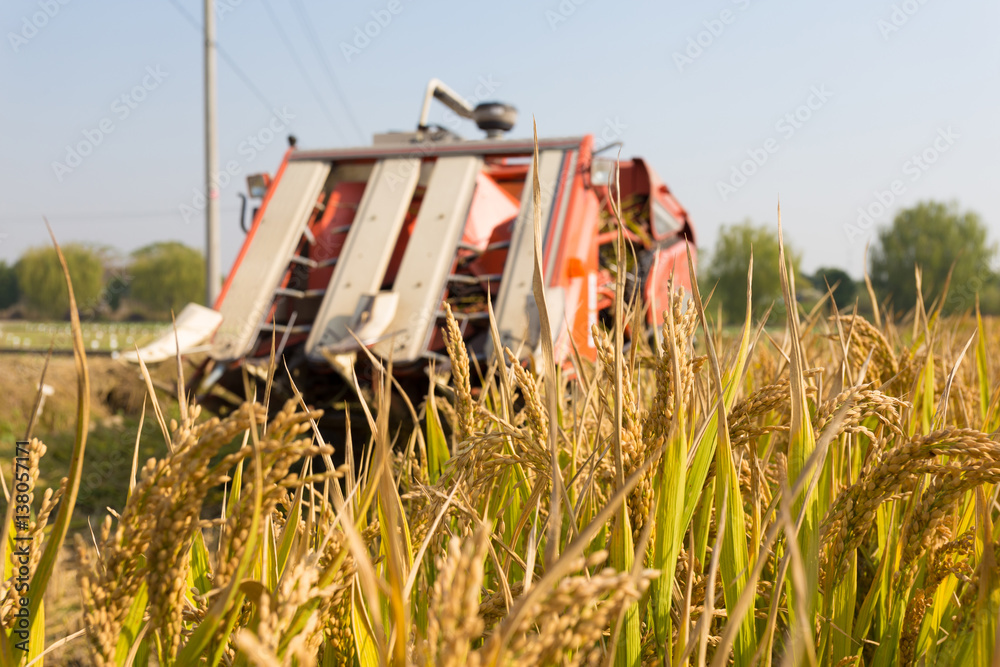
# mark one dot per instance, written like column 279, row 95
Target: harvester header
column 366, row 247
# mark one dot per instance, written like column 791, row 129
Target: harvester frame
column 367, row 246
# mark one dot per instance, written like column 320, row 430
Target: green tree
column 116, row 288
column 845, row 290
column 727, row 271
column 167, row 276
column 933, row 236
column 44, row 288
column 10, row 290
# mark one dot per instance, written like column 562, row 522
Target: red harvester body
column 369, row 244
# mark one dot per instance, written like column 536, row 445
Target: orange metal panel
column 491, row 207
column 339, row 214
column 253, row 229
column 670, row 262
column 576, row 264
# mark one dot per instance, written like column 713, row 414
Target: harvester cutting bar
column 312, row 263
column 515, row 304
column 463, row 279
column 429, row 256
column 298, row 293
column 303, row 261
column 282, row 328
column 476, row 250
column 404, row 321
column 465, row 317
column 366, row 252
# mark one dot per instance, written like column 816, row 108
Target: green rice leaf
column 364, row 636
column 622, row 558
column 437, row 443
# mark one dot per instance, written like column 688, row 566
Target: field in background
column 24, row 335
column 822, row 494
column 894, row 563
column 117, row 393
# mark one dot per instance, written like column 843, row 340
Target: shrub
column 167, row 276
column 41, row 279
column 10, row 290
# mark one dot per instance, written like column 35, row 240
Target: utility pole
column 213, row 277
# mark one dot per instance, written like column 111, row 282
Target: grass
column 117, row 392
column 23, row 335
column 108, row 468
column 824, row 496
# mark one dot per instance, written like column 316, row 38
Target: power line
column 115, row 216
column 313, row 88
column 227, row 58
column 303, row 18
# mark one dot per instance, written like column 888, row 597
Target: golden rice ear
column 558, row 528
column 460, row 378
column 454, row 623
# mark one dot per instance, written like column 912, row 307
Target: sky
column 844, row 112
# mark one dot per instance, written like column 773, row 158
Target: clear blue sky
column 880, row 95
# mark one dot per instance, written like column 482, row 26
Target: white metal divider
column 516, row 314
column 429, row 256
column 367, row 250
column 558, row 225
column 266, row 260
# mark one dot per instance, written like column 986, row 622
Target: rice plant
column 822, row 495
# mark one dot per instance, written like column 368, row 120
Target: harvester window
column 663, row 223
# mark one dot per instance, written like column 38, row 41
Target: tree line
column 149, row 284
column 949, row 247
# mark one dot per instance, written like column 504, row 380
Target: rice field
column 106, row 337
column 823, row 494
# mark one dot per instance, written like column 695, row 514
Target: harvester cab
column 367, row 247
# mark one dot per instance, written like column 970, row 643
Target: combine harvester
column 368, row 244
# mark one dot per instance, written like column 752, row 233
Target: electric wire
column 306, row 24
column 228, row 59
column 313, row 88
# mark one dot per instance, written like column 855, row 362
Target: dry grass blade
column 801, row 445
column 156, row 403
column 871, row 293
column 33, row 418
column 181, row 390
column 942, row 410
column 802, row 640
column 72, row 487
column 135, row 450
column 54, row 646
column 538, row 290
column 565, row 563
